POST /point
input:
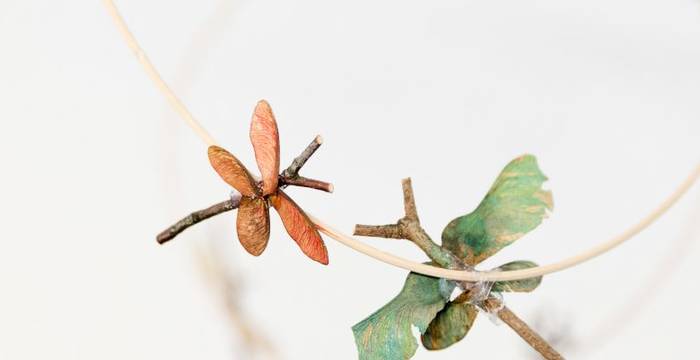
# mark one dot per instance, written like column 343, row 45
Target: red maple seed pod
column 253, row 223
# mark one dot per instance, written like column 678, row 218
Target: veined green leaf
column 524, row 285
column 386, row 334
column 450, row 325
column 514, row 205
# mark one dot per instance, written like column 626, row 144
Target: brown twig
column 493, row 304
column 409, row 200
column 196, row 217
column 289, row 176
column 293, row 170
column 306, row 182
column 391, row 231
column 409, row 228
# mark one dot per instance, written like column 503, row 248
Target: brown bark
column 521, row 328
column 391, row 231
column 196, row 217
column 306, row 182
column 293, row 170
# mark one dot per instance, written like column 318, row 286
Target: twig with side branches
column 289, row 176
column 408, row 227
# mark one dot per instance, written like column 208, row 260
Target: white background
column 94, row 165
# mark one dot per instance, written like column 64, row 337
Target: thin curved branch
column 391, row 259
column 152, row 72
column 489, row 276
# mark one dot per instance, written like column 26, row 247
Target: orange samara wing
column 253, row 224
column 300, row 227
column 232, row 171
column 266, row 144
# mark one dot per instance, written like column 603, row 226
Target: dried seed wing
column 253, row 224
column 266, row 144
column 300, row 227
column 232, row 171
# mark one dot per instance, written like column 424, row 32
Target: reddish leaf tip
column 323, row 260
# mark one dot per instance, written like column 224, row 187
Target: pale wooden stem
column 396, row 260
column 142, row 58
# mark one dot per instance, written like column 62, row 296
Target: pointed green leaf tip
column 386, row 334
column 514, row 205
column 524, row 285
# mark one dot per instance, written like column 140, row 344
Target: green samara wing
column 450, row 325
column 386, row 334
column 524, row 285
column 515, row 204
